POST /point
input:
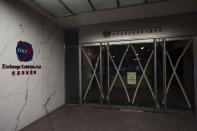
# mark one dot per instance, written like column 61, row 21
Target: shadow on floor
column 75, row 118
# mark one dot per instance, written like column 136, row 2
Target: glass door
column 131, row 73
column 154, row 74
column 91, row 74
column 178, row 73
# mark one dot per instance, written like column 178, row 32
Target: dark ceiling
column 73, row 13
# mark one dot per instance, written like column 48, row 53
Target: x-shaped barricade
column 174, row 68
column 93, row 76
column 143, row 75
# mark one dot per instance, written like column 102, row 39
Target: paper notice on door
column 131, row 78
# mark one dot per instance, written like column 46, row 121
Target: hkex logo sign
column 24, row 51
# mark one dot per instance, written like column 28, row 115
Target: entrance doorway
column 152, row 73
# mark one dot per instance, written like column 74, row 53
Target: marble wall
column 26, row 98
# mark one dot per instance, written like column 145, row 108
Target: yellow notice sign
column 131, row 78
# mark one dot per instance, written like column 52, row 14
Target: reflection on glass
column 131, row 70
column 130, row 65
column 184, row 72
column 90, row 84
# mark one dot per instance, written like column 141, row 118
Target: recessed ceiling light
column 142, row 47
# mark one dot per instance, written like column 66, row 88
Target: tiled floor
column 74, row 118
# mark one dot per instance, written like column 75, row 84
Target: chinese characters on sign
column 28, row 72
column 22, row 70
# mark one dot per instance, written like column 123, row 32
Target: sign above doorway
column 132, row 31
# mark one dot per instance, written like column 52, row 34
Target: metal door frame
column 130, row 45
column 98, row 61
column 195, row 72
column 117, row 73
column 166, row 85
column 162, row 40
